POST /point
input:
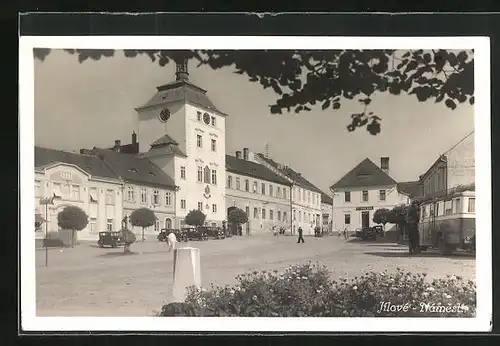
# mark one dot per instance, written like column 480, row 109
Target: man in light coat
column 171, row 241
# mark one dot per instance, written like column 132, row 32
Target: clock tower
column 183, row 132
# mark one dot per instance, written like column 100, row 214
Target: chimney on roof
column 384, row 164
column 245, row 154
column 181, row 70
column 134, row 137
column 238, row 154
column 118, row 144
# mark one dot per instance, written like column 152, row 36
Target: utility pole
column 46, row 201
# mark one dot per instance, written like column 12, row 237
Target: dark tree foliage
column 142, row 217
column 195, row 218
column 397, row 215
column 381, row 216
column 304, row 79
column 72, row 218
column 237, row 216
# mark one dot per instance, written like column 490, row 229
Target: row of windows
column 199, row 143
column 200, row 115
column 93, row 225
column 267, row 213
column 269, row 190
column 382, row 195
column 73, row 192
column 306, row 196
column 200, row 206
column 303, row 216
column 207, row 175
column 157, row 197
column 453, row 206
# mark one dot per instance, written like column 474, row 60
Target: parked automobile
column 111, row 239
column 179, row 234
column 214, row 232
column 378, row 230
column 193, row 233
column 366, row 233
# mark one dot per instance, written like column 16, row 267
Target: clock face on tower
column 164, row 115
column 206, row 118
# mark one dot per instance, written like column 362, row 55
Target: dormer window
column 133, row 170
column 152, row 174
column 213, row 121
column 198, row 116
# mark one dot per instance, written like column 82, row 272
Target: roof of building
column 135, row 169
column 411, row 188
column 326, row 199
column 181, row 91
column 364, row 174
column 164, row 140
column 88, row 163
column 253, row 169
column 165, row 145
column 443, row 157
column 291, row 174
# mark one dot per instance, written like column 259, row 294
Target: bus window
column 457, row 206
column 472, row 205
column 436, row 212
column 422, row 213
column 431, row 210
column 448, row 207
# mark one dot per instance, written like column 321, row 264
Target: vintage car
column 111, row 239
column 179, row 235
column 195, row 233
column 378, row 230
column 366, row 233
column 214, row 232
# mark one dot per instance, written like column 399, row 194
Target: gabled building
column 81, row 180
column 306, row 198
column 363, row 190
column 263, row 194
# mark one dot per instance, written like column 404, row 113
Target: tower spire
column 181, row 70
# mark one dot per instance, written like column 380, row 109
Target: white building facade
column 305, row 199
column 361, row 192
column 77, row 180
column 262, row 194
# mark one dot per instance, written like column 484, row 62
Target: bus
column 448, row 223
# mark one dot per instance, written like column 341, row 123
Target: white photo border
column 482, row 322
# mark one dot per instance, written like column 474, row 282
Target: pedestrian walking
column 171, row 241
column 346, row 233
column 301, row 238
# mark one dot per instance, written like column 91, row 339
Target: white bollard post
column 186, row 271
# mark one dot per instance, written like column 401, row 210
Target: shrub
column 128, row 239
column 308, row 290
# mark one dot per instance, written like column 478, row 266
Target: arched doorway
column 168, row 223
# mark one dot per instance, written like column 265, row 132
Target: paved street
column 88, row 281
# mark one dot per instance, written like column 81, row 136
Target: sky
column 82, row 105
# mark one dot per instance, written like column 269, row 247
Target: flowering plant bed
column 308, row 291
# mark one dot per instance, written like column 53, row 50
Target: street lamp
column 46, row 201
